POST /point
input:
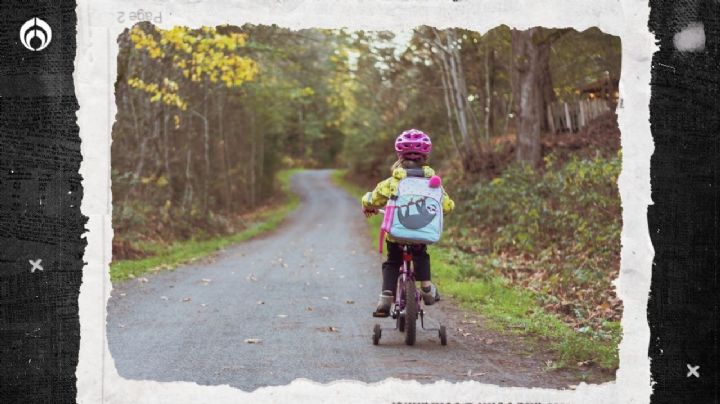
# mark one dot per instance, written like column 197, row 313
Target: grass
column 170, row 256
column 504, row 307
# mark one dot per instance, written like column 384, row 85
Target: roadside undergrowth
column 161, row 256
column 510, row 308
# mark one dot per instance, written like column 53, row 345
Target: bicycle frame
column 407, row 273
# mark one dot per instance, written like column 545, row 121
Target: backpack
column 414, row 214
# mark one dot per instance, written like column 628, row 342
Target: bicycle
column 407, row 306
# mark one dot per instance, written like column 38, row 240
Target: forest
column 522, row 123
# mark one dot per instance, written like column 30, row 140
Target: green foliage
column 168, row 256
column 506, row 306
column 554, row 233
column 579, row 58
column 509, row 308
column 573, row 209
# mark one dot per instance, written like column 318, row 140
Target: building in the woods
column 595, row 99
column 602, row 88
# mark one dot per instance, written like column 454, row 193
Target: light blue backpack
column 414, row 215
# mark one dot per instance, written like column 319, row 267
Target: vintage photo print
column 364, row 201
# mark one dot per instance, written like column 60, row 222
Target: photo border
column 97, row 31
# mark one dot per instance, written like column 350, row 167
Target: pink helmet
column 413, row 141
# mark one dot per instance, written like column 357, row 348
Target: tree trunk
column 188, row 194
column 166, row 153
column 253, row 135
column 546, row 94
column 489, row 88
column 206, row 145
column 528, row 66
column 225, row 147
column 455, row 88
column 261, row 158
column 451, row 128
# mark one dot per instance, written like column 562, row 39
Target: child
column 412, row 148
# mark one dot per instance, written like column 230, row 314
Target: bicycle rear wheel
column 411, row 311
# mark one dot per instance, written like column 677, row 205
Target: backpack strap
column 387, row 221
column 415, row 172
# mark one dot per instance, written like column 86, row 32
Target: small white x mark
column 35, row 265
column 693, row 371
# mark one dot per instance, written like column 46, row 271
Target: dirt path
column 305, row 292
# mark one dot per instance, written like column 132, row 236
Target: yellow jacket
column 388, row 187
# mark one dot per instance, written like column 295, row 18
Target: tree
column 532, row 88
column 205, row 58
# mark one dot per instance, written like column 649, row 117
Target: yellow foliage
column 200, row 56
column 167, row 94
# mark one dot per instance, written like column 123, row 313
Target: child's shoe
column 384, row 303
column 430, row 294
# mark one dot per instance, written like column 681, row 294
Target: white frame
column 95, row 72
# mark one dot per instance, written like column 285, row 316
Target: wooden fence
column 573, row 116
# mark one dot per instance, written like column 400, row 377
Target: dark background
column 40, row 194
column 683, row 306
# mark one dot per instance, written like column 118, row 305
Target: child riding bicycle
column 412, row 148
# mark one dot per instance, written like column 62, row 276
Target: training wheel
column 377, row 332
column 401, row 322
column 443, row 335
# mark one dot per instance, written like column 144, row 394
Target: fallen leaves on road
column 143, row 280
column 260, row 302
column 252, row 340
column 489, row 341
column 251, row 278
column 348, row 301
column 205, row 281
column 187, row 299
column 471, row 374
column 309, row 308
column 164, row 297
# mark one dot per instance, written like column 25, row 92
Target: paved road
column 305, row 291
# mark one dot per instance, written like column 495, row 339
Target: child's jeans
column 391, row 267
